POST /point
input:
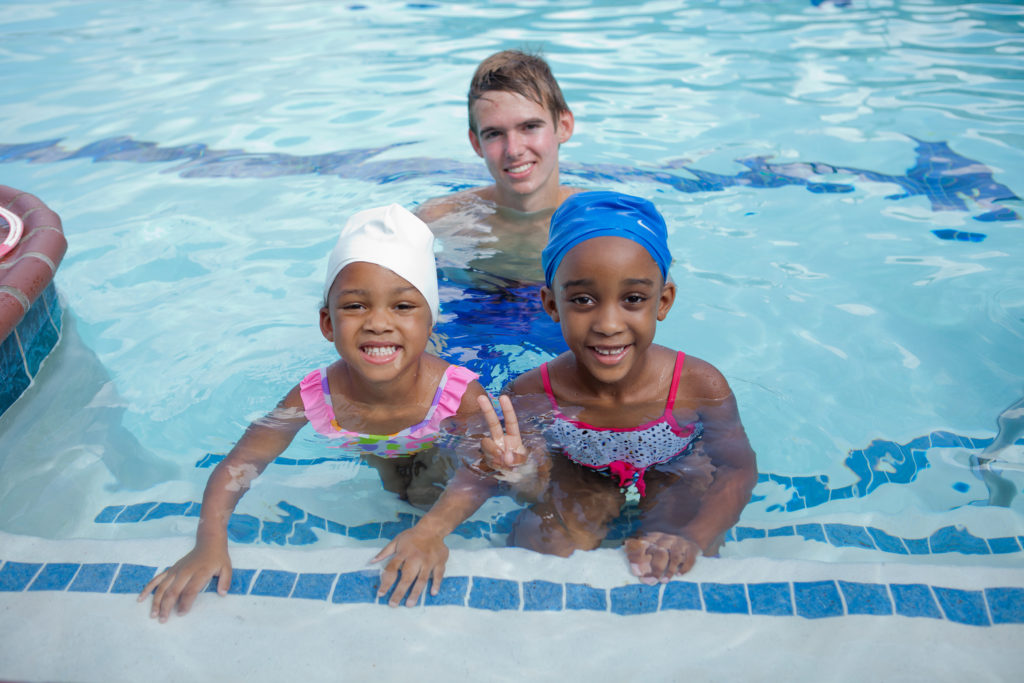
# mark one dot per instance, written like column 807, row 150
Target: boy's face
column 608, row 295
column 518, row 141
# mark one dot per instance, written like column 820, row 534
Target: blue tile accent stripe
column 802, row 599
column 297, row 527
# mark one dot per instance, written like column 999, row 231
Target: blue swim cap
column 587, row 215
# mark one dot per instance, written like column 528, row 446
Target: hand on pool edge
column 181, row 583
column 418, row 556
column 656, row 556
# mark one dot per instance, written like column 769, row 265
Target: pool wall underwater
column 30, row 313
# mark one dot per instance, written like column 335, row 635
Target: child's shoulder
column 701, row 378
column 472, row 200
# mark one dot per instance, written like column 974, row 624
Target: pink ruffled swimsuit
column 316, row 399
column 624, row 453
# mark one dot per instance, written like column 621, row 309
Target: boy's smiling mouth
column 520, row 169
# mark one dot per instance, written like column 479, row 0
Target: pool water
column 839, row 179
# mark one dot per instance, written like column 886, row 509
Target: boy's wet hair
column 521, row 73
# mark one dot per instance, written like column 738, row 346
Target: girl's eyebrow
column 632, row 281
column 365, row 292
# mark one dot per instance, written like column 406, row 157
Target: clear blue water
column 841, row 180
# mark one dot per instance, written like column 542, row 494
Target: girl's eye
column 635, row 299
column 580, row 300
column 405, row 307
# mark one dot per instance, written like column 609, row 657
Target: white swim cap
column 391, row 237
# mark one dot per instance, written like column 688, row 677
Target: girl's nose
column 378, row 320
column 608, row 320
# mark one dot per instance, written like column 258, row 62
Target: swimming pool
column 840, row 179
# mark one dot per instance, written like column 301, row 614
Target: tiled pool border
column 810, row 599
column 30, row 314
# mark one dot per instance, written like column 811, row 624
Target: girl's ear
column 326, row 326
column 547, row 302
column 667, row 298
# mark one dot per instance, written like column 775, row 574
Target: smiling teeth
column 519, row 169
column 610, row 352
column 380, row 350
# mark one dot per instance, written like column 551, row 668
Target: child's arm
column 263, row 441
column 419, row 554
column 665, row 548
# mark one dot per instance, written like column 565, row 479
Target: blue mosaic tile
column 356, row 587
column 167, row 510
column 365, row 532
column 725, row 598
column 866, row 598
column 273, row 583
column 241, row 579
column 781, row 531
column 504, row 523
column 817, row 599
column 55, row 576
column 950, row 539
column 886, row 542
column 541, row 596
column 313, row 586
column 849, row 536
column 386, row 598
column 335, row 528
column 1000, row 546
column 813, row 490
column 582, row 596
column 770, row 599
column 473, row 529
column 494, row 594
column 453, row 592
column 15, row 576
column 811, row 532
column 914, row 600
column 389, row 530
column 945, row 440
column 94, row 578
column 303, row 534
column 278, row 532
column 132, row 578
column 858, row 462
column 635, row 598
column 681, row 595
column 745, row 532
column 243, row 528
column 134, row 513
column 1006, row 605
column 963, row 606
column 108, row 514
column 841, row 493
column 194, row 509
column 917, row 546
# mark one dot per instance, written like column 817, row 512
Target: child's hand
column 503, row 450
column 418, row 556
column 658, row 556
column 181, row 583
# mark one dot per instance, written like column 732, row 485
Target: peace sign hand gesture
column 504, row 452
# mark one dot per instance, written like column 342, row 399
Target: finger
column 493, row 423
column 417, row 588
column 197, row 583
column 224, row 581
column 151, row 586
column 436, row 577
column 387, row 552
column 387, row 577
column 165, row 602
column 409, row 573
column 659, row 562
column 511, row 421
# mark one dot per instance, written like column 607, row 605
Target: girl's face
column 378, row 321
column 608, row 296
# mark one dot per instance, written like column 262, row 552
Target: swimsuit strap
column 546, row 378
column 677, row 371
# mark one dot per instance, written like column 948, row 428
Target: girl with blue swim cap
column 619, row 412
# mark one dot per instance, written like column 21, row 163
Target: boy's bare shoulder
column 437, row 208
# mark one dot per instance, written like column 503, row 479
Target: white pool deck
column 66, row 635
